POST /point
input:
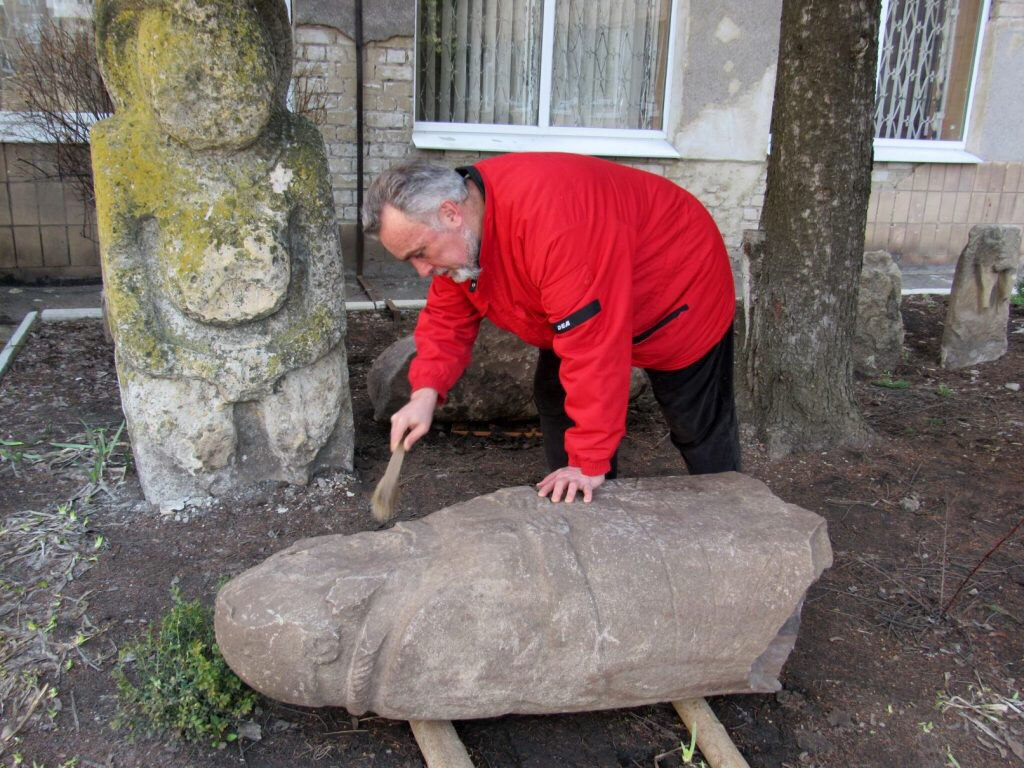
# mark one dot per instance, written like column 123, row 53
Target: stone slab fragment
column 661, row 589
column 497, row 384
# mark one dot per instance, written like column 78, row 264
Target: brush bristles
column 382, row 503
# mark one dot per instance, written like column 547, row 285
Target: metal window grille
column 914, row 68
column 479, row 61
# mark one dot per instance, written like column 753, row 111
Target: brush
column 382, row 503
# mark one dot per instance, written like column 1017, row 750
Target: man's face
column 452, row 249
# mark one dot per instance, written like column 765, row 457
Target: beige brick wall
column 45, row 230
column 923, row 213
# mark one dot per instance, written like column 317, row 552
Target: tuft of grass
column 103, row 458
column 42, row 629
column 888, row 382
column 990, row 714
column 175, row 680
column 13, row 452
column 944, row 391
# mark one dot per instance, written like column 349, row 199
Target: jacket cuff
column 591, row 468
column 442, row 394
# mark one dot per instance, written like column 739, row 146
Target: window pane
column 478, row 61
column 926, row 64
column 610, row 60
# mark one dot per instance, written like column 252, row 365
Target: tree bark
column 805, row 263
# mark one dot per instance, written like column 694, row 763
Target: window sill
column 904, row 151
column 598, row 142
column 21, row 128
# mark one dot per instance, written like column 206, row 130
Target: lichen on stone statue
column 223, row 279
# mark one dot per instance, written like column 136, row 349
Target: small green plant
column 1017, row 299
column 175, row 679
column 943, row 391
column 687, row 751
column 13, row 452
column 888, row 382
column 97, row 452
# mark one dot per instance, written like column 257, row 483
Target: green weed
column 176, row 680
column 103, row 458
column 943, row 391
column 687, row 751
column 13, row 452
column 888, row 382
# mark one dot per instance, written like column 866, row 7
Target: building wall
column 725, row 64
column 45, row 230
column 922, row 213
column 733, row 189
column 724, row 74
column 997, row 113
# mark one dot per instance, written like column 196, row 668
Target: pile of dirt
column 907, row 655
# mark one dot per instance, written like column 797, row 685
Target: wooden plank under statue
column 662, row 589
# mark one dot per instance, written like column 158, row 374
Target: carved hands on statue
column 568, row 481
column 415, row 417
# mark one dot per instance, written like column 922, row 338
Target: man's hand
column 569, row 480
column 415, row 417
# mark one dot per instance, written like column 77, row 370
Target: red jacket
column 607, row 265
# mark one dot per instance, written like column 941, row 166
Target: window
column 927, row 60
column 579, row 75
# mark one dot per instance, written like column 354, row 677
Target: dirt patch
column 880, row 675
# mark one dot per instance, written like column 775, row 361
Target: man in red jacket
column 602, row 267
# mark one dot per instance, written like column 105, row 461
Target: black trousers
column 697, row 402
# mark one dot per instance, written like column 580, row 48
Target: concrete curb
column 16, row 341
column 64, row 315
column 923, row 291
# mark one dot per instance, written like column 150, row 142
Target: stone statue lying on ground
column 661, row 589
column 222, row 274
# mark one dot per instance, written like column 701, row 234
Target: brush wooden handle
column 382, row 503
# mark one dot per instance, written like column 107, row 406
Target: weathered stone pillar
column 878, row 340
column 661, row 589
column 222, row 271
column 979, row 304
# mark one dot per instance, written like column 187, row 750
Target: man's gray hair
column 416, row 188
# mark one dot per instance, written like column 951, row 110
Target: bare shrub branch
column 58, row 80
column 308, row 97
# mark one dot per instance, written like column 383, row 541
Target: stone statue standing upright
column 222, row 271
column 979, row 303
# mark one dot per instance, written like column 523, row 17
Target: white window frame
column 544, row 137
column 928, row 150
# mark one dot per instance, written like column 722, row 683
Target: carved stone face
column 210, row 81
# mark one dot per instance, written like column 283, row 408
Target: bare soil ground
column 886, row 671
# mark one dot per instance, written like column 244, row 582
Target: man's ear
column 450, row 213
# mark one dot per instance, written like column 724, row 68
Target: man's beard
column 472, row 269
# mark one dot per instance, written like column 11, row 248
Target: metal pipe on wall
column 359, row 135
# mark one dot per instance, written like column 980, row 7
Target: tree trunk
column 805, row 262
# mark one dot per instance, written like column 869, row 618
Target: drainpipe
column 359, row 136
